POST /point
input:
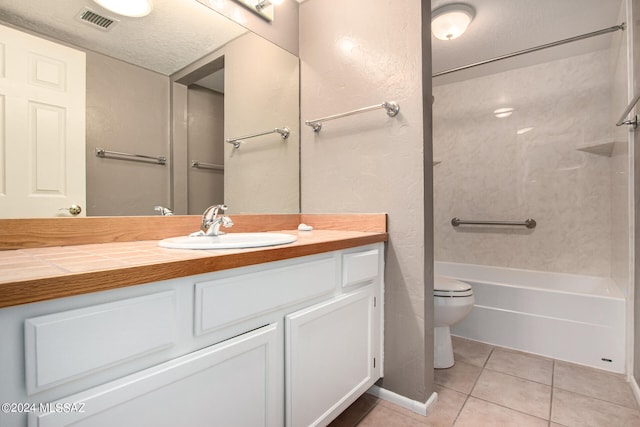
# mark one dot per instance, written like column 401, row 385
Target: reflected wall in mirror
column 261, row 93
column 130, row 71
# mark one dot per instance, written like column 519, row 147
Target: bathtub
column 579, row 319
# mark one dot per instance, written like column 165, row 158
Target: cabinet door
column 235, row 383
column 329, row 357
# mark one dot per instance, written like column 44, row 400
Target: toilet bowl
column 452, row 301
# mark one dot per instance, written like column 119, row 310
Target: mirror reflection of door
column 205, row 142
column 42, row 126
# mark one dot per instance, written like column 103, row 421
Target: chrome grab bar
column 391, row 106
column 529, row 223
column 284, row 133
column 101, row 152
column 203, row 165
column 627, row 110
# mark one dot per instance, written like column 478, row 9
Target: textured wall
column 490, row 169
column 205, row 144
column 261, row 93
column 355, row 54
column 127, row 111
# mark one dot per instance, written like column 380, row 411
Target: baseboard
column 636, row 390
column 412, row 405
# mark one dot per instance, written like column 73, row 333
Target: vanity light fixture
column 262, row 4
column 451, row 21
column 263, row 8
column 132, row 8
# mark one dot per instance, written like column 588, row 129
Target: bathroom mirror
column 132, row 71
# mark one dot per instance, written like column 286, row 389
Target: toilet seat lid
column 446, row 286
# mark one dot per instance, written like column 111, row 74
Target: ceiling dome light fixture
column 132, row 8
column 450, row 21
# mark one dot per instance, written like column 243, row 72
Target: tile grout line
column 511, row 409
column 49, row 263
column 600, row 371
column 518, row 377
column 514, row 376
column 597, row 398
column 484, row 366
column 472, row 387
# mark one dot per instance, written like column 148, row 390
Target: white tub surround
column 579, row 319
column 531, row 164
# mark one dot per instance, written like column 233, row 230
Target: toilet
column 452, row 301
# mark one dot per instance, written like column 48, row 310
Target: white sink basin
column 228, row 241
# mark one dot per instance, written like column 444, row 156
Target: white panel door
column 42, row 126
column 329, row 357
column 231, row 384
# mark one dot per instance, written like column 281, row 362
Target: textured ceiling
column 504, row 26
column 175, row 34
column 178, row 32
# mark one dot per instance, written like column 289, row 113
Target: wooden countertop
column 42, row 273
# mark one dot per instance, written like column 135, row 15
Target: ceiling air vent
column 97, row 21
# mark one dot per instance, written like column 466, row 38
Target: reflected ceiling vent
column 97, row 21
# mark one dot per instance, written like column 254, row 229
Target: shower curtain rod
column 533, row 49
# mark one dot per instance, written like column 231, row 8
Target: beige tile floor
column 494, row 386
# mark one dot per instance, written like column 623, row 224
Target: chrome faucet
column 163, row 211
column 211, row 221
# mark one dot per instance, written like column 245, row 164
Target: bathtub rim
column 611, row 285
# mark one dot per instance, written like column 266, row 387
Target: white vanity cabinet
column 330, row 356
column 333, row 349
column 290, row 343
column 233, row 383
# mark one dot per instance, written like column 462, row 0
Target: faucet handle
column 227, row 222
column 163, row 211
